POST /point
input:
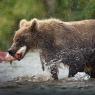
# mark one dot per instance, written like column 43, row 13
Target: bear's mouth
column 20, row 53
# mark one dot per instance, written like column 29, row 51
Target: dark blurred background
column 12, row 11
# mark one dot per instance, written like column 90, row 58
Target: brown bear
column 70, row 43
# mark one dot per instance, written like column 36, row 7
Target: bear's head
column 24, row 39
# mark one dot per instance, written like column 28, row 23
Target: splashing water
column 30, row 66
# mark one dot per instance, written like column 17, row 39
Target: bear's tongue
column 20, row 53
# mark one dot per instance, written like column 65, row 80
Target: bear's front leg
column 72, row 71
column 75, row 68
column 42, row 62
column 54, row 71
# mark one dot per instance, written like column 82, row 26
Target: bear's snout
column 11, row 52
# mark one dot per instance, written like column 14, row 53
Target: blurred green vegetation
column 12, row 11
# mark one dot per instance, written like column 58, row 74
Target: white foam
column 63, row 71
column 81, row 76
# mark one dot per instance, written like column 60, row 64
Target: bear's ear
column 23, row 22
column 34, row 25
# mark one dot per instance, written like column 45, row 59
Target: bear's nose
column 11, row 52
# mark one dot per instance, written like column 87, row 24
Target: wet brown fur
column 52, row 34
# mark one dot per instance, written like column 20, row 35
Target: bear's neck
column 45, row 41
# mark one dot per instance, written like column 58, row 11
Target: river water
column 26, row 77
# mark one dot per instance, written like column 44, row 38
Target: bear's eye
column 20, row 42
column 17, row 40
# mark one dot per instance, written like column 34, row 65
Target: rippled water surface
column 27, row 78
column 61, row 87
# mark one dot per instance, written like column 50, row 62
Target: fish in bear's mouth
column 20, row 53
